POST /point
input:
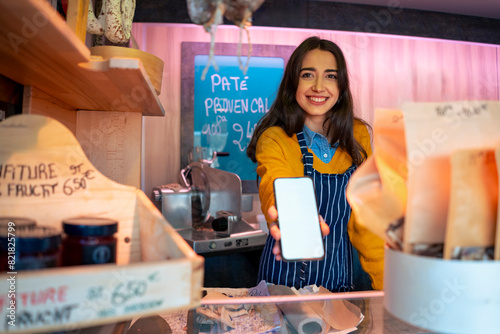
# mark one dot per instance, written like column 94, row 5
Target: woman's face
column 318, row 89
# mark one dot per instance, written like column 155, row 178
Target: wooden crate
column 156, row 269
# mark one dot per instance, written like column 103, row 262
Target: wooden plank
column 39, row 103
column 35, row 24
column 132, row 88
column 71, row 186
column 34, row 36
column 76, row 17
column 39, row 49
column 112, row 142
column 82, row 297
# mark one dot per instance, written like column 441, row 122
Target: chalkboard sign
column 220, row 110
column 228, row 104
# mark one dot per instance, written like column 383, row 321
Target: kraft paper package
column 390, row 144
column 472, row 213
column 391, row 161
column 433, row 131
column 377, row 190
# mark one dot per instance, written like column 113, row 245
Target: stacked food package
column 431, row 191
column 431, row 186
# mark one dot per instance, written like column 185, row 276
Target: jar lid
column 19, row 222
column 31, row 239
column 90, row 226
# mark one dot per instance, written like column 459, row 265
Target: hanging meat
column 240, row 11
column 114, row 20
column 210, row 14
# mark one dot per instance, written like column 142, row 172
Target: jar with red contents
column 29, row 247
column 89, row 240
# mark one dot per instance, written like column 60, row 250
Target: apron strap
column 307, row 157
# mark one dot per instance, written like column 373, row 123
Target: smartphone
column 298, row 218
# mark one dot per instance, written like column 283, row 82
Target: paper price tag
column 79, row 295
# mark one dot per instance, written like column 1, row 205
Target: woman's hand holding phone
column 274, row 230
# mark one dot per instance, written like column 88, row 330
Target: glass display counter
column 271, row 314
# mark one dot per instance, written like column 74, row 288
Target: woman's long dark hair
column 286, row 113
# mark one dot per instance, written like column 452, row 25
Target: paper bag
column 375, row 206
column 472, row 214
column 377, row 190
column 389, row 143
column 433, row 131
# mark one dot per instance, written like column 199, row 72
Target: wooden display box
column 45, row 176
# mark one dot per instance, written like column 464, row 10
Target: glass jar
column 89, row 240
column 17, row 222
column 29, row 248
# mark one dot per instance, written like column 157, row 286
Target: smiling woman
column 314, row 106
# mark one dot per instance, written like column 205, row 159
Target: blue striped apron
column 335, row 271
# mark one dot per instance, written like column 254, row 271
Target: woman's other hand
column 274, row 230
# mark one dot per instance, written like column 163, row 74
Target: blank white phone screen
column 301, row 237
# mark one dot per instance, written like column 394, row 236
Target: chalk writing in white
column 239, row 129
column 225, row 84
column 214, row 128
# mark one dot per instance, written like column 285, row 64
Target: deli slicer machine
column 206, row 209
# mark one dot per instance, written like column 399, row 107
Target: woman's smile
column 317, row 99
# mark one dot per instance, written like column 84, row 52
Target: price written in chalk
column 120, row 294
column 242, row 134
column 128, row 294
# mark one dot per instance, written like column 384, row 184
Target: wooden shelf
column 37, row 48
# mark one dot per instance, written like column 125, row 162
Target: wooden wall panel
column 385, row 72
column 498, row 73
column 112, row 142
column 38, row 102
column 388, row 71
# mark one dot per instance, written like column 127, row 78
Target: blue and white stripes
column 335, row 271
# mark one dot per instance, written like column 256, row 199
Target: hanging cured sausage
column 114, row 20
column 239, row 12
column 210, row 14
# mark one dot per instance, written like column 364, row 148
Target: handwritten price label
column 79, row 182
column 43, row 180
column 78, row 297
column 465, row 110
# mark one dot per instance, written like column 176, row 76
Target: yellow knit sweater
column 279, row 156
